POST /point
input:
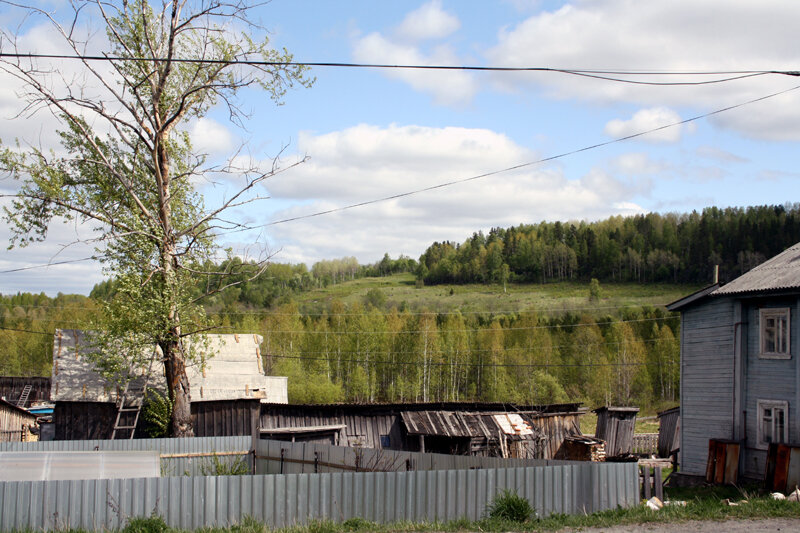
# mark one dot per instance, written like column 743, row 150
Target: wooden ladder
column 130, row 402
column 23, row 398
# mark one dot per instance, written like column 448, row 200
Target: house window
column 774, row 333
column 773, row 422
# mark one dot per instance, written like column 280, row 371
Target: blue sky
column 372, row 133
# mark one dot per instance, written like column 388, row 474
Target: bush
column 509, row 506
column 218, row 467
column 152, row 524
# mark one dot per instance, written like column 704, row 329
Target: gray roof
column 782, row 272
column 233, row 372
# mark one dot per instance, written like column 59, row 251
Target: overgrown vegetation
column 705, row 503
column 511, row 507
column 215, row 466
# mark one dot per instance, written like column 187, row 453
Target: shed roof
column 468, row 425
column 233, row 371
column 8, row 406
column 779, row 273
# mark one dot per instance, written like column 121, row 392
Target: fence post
column 645, row 470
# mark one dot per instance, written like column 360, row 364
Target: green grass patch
column 704, row 503
column 555, row 298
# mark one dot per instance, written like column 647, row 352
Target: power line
column 44, row 265
column 515, row 167
column 607, row 75
column 482, row 365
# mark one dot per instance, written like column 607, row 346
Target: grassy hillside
column 550, row 298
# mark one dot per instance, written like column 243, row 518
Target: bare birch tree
column 126, row 166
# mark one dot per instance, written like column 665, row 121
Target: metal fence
column 285, row 500
column 280, row 457
column 179, row 457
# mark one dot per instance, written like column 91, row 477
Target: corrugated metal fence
column 179, row 457
column 285, row 500
column 277, row 457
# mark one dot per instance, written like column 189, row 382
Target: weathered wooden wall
column 14, row 422
column 669, row 431
column 11, row 387
column 226, row 418
column 95, row 420
column 367, row 423
column 84, row 420
column 365, row 426
column 616, row 426
column 707, row 380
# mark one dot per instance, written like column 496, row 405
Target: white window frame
column 772, row 406
column 763, row 316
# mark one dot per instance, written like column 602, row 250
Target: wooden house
column 15, row 423
column 740, row 365
column 490, row 429
column 227, row 388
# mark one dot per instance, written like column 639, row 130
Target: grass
column 550, row 297
column 703, row 503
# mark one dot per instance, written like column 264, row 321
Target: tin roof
column 233, row 372
column 779, row 273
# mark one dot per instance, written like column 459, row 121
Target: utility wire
column 519, row 166
column 52, row 263
column 607, row 75
column 478, row 364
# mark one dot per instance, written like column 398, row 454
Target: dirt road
column 705, row 526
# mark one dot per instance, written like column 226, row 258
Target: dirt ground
column 704, row 526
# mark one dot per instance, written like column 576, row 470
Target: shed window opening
column 772, row 423
column 775, row 333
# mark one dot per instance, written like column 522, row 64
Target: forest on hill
column 371, row 350
column 642, row 248
column 531, row 314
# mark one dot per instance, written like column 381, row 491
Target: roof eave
column 693, row 298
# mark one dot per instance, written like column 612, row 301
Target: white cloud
column 675, row 35
column 447, row 87
column 647, row 120
column 210, row 137
column 637, row 163
column 368, row 162
column 401, row 47
column 718, row 154
column 429, row 21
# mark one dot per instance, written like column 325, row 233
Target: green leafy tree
column 127, row 168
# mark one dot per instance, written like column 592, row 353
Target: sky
column 363, row 134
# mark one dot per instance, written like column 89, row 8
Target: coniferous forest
column 598, row 349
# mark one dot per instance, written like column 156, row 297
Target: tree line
column 642, row 248
column 366, row 353
column 360, row 353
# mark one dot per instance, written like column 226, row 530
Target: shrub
column 217, row 467
column 509, row 506
column 152, row 524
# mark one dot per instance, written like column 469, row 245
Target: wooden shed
column 13, row 389
column 399, row 426
column 616, row 426
column 669, row 431
column 227, row 389
column 15, row 423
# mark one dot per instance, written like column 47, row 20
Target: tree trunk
column 178, row 385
